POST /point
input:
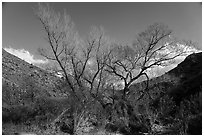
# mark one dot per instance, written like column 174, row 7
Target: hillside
column 176, row 96
column 187, row 74
column 21, row 81
column 190, row 74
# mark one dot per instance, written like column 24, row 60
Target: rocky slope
column 22, row 82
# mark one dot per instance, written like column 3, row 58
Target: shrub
column 18, row 114
column 189, row 113
column 164, row 111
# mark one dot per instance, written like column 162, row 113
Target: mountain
column 22, row 82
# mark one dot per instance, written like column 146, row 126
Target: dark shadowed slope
column 182, row 81
column 190, row 74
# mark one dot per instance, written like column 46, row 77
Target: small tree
column 153, row 47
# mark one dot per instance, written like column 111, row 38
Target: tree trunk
column 125, row 90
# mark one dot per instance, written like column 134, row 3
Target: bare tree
column 153, row 47
column 61, row 37
column 82, row 62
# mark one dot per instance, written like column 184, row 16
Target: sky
column 22, row 32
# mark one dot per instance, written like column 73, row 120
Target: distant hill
column 21, row 81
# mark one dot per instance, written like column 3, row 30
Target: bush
column 164, row 110
column 18, row 114
column 189, row 113
column 181, row 118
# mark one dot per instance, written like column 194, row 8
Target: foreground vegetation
column 50, row 116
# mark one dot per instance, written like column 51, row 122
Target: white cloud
column 25, row 55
